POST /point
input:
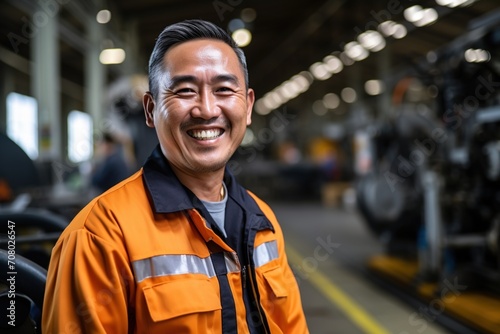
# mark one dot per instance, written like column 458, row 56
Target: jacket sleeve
column 296, row 320
column 86, row 290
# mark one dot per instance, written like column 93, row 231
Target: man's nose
column 207, row 106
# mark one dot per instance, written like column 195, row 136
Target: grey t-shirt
column 217, row 210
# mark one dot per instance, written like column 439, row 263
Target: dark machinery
column 36, row 231
column 434, row 190
column 27, row 235
column 23, row 292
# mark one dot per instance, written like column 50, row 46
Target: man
column 111, row 166
column 179, row 247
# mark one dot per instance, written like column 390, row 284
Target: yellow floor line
column 351, row 309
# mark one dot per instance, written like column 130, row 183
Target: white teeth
column 205, row 134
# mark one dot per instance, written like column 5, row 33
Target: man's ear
column 250, row 102
column 148, row 103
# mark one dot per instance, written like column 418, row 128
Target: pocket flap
column 181, row 297
column 275, row 279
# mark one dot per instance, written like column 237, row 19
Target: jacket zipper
column 259, row 308
column 244, row 274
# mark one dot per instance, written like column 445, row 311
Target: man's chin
column 210, row 167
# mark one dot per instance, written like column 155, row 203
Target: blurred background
column 375, row 137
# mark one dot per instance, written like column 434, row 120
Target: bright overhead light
column 387, row 28
column 260, row 107
column 307, row 75
column 242, row 37
column 320, row 71
column 103, row 16
column 400, row 31
column 374, row 87
column 372, row 40
column 289, row 89
column 331, row 101
column 477, row 56
column 302, row 82
column 419, row 16
column 304, row 79
column 333, row 64
column 349, row 95
column 112, row 56
column 271, row 101
column 413, row 13
column 447, row 3
column 444, row 2
column 454, row 3
column 391, row 28
column 268, row 103
column 430, row 15
column 346, row 60
column 355, row 51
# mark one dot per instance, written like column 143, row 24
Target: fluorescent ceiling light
column 112, row 56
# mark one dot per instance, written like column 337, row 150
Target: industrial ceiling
column 287, row 36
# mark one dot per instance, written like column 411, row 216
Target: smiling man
column 179, row 247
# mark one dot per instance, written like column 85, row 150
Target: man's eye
column 224, row 89
column 184, row 90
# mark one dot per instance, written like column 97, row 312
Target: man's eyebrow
column 226, row 77
column 178, row 79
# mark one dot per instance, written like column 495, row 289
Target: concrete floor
column 328, row 249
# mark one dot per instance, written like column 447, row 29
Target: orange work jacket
column 143, row 258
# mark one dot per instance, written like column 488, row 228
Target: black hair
column 182, row 32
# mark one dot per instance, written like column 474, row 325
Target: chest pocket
column 264, row 258
column 181, row 297
column 275, row 278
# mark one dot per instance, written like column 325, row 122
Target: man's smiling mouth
column 205, row 134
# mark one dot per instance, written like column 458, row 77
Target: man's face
column 202, row 108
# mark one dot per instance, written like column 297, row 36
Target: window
column 22, row 122
column 80, row 139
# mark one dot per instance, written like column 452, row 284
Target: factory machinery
column 432, row 194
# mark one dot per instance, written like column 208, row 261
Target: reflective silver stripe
column 265, row 253
column 168, row 265
column 232, row 262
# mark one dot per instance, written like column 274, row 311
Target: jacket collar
column 168, row 195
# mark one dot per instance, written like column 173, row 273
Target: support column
column 95, row 75
column 5, row 82
column 131, row 47
column 46, row 85
column 358, row 111
column 431, row 264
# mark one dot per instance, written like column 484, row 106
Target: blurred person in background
column 112, row 163
column 180, row 246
